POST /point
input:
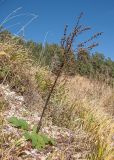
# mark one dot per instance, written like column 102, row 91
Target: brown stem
column 48, row 98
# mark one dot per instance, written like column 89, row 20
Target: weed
column 19, row 123
column 39, row 141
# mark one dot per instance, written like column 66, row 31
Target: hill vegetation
column 84, row 63
column 79, row 116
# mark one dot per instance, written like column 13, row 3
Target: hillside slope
column 79, row 116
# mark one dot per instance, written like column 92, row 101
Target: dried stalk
column 66, row 46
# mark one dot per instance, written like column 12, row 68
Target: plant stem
column 48, row 98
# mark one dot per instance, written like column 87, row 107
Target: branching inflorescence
column 66, row 49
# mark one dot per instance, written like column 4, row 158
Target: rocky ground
column 69, row 145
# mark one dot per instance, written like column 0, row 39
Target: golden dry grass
column 94, row 103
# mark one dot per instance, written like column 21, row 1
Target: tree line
column 83, row 62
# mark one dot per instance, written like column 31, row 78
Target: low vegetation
column 39, row 141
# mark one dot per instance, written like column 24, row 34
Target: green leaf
column 46, row 139
column 39, row 141
column 27, row 135
column 19, row 123
column 34, row 139
column 34, row 129
column 14, row 121
column 23, row 124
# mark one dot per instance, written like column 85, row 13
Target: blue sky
column 54, row 14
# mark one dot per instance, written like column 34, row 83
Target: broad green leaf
column 19, row 123
column 23, row 124
column 39, row 141
column 14, row 121
column 34, row 139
